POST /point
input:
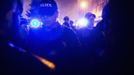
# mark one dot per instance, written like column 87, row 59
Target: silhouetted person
column 66, row 22
column 90, row 17
column 114, row 25
column 93, row 44
column 87, row 33
column 72, row 25
column 52, row 40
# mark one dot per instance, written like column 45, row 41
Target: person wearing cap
column 72, row 26
column 51, row 34
column 51, row 40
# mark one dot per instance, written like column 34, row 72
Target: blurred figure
column 90, row 17
column 113, row 25
column 51, row 40
column 92, row 39
column 72, row 25
column 90, row 34
column 51, row 31
column 14, row 59
column 85, row 33
column 66, row 22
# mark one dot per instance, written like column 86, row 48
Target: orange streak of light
column 49, row 64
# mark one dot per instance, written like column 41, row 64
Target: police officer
column 51, row 40
column 51, row 35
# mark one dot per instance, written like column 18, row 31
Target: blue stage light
column 11, row 44
column 35, row 23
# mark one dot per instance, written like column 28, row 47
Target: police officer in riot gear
column 50, row 40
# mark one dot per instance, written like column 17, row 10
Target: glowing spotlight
column 35, row 23
column 83, row 22
column 84, row 4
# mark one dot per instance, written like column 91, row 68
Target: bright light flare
column 46, row 62
column 11, row 44
column 35, row 23
column 81, row 23
column 83, row 4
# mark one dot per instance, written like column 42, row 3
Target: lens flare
column 35, row 23
column 81, row 23
column 84, row 4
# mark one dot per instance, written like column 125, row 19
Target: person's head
column 66, row 19
column 90, row 17
column 93, row 16
column 47, row 11
column 71, row 22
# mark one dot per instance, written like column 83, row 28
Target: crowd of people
column 86, row 51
